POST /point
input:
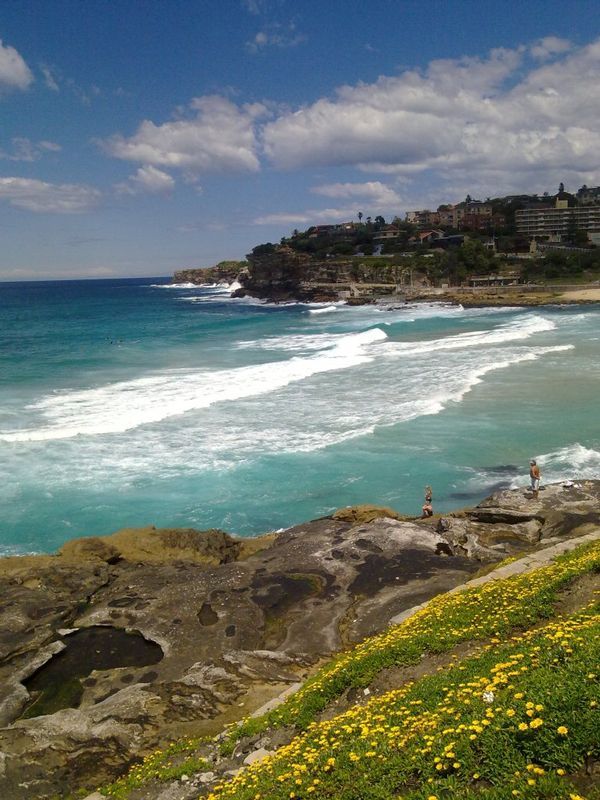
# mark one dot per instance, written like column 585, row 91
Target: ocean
column 126, row 403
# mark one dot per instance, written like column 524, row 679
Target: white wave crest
column 122, row 406
column 173, row 285
column 516, row 330
column 574, row 462
column 325, row 310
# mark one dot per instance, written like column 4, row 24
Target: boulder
column 89, row 548
column 365, row 513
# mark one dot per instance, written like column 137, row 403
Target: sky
column 138, row 137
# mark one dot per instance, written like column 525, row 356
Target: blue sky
column 140, row 137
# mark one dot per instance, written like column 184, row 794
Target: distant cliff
column 223, row 272
column 279, row 273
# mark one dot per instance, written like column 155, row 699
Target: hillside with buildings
column 500, row 241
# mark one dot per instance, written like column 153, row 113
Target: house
column 472, row 215
column 423, row 237
column 386, row 233
column 448, row 241
column 588, row 195
column 340, row 229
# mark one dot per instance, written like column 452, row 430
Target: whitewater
column 131, row 403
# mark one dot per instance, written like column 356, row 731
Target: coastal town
column 519, row 226
column 537, row 248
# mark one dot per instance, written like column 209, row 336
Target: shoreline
column 501, row 297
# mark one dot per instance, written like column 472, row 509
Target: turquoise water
column 128, row 403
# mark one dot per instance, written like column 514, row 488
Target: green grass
column 515, row 721
column 179, row 758
column 491, row 610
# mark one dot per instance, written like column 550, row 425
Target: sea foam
column 119, row 407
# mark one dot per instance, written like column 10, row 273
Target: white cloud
column 311, row 216
column 255, row 6
column 42, row 197
column 24, row 149
column 14, row 72
column 53, row 147
column 548, row 47
column 49, row 78
column 486, row 117
column 220, row 137
column 276, row 35
column 284, row 218
column 147, row 180
column 375, row 192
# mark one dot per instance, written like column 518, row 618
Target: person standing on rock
column 534, row 474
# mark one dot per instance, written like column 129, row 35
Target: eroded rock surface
column 237, row 622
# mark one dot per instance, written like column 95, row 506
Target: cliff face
column 283, row 273
column 280, row 273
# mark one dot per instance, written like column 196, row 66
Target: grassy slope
column 519, row 719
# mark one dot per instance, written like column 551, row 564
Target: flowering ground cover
column 515, row 721
column 518, row 719
column 179, row 758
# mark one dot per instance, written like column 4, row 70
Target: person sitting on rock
column 427, row 507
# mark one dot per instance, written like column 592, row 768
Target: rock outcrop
column 279, row 273
column 223, row 272
column 236, row 622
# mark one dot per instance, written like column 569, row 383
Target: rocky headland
column 116, row 645
column 284, row 275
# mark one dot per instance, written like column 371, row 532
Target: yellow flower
column 563, row 730
column 523, row 726
column 536, row 723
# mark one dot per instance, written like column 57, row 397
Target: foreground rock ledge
column 237, row 620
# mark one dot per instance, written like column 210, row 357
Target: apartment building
column 558, row 220
column 474, row 215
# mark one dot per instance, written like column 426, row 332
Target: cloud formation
column 275, row 35
column 549, row 46
column 14, row 72
column 147, row 180
column 24, row 149
column 219, row 137
column 49, row 78
column 55, row 198
column 519, row 119
column 499, row 116
column 372, row 191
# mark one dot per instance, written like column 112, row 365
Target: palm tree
column 360, row 216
